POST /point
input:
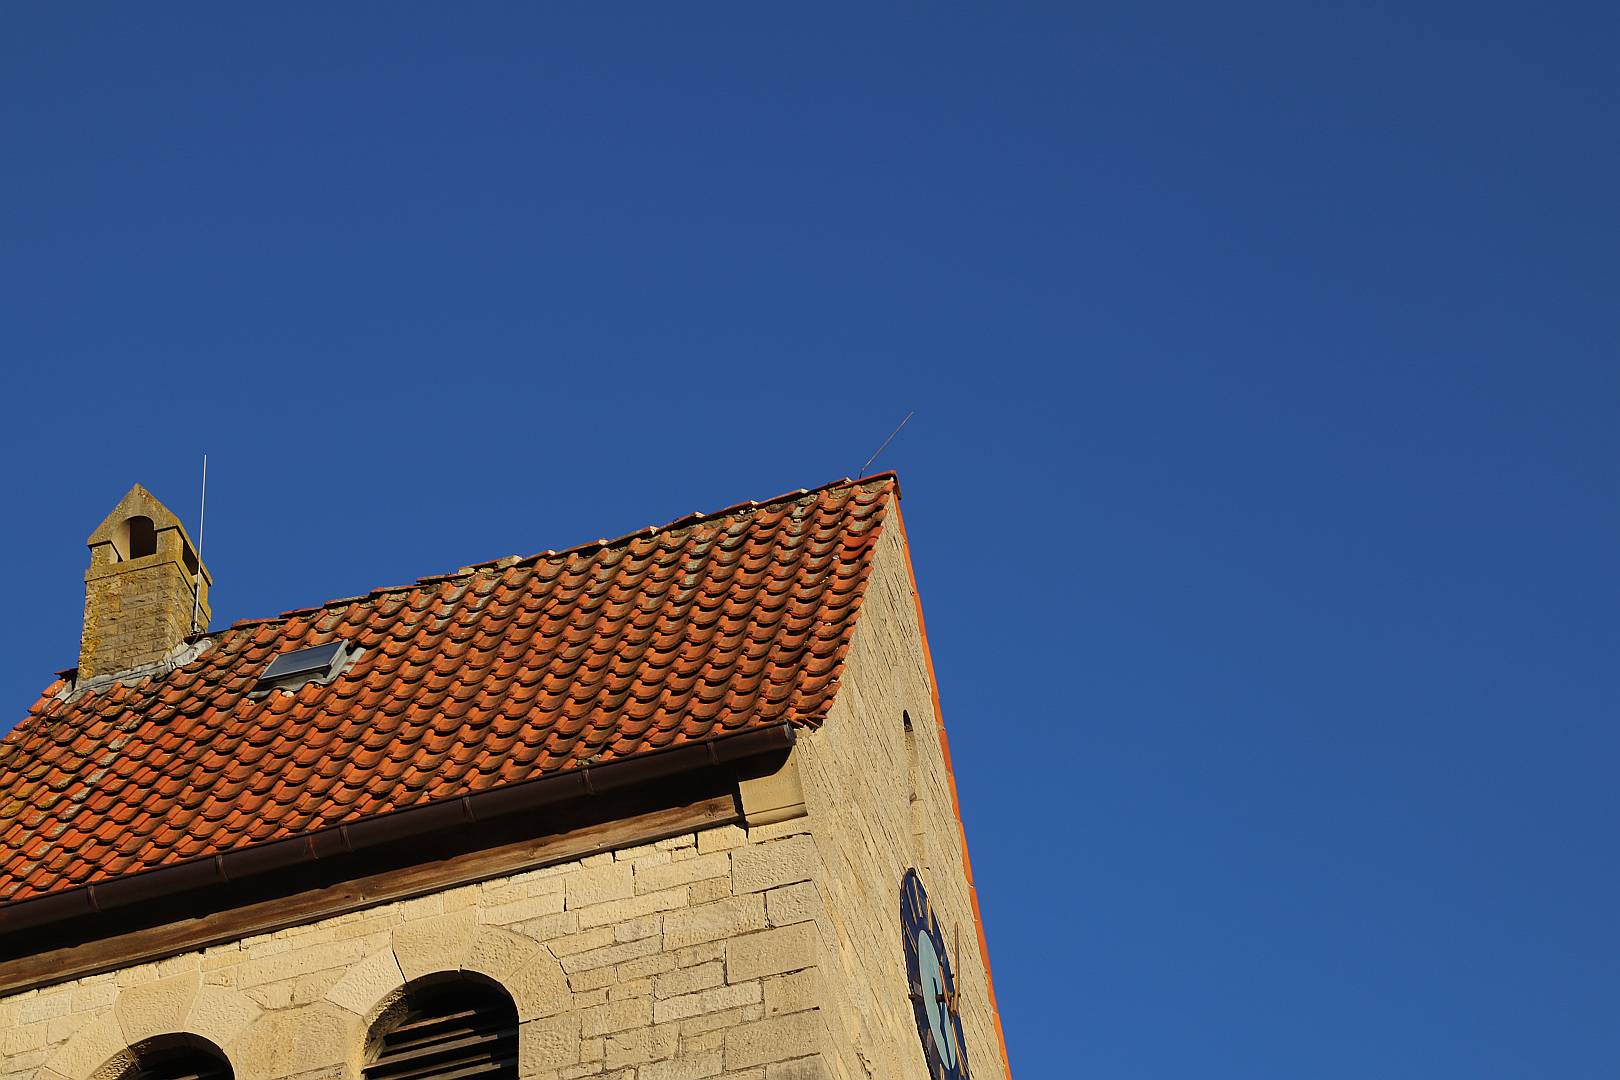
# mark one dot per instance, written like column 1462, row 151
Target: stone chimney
column 139, row 601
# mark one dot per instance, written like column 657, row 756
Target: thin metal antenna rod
column 196, row 579
column 886, row 443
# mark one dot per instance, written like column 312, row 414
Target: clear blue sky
column 1262, row 483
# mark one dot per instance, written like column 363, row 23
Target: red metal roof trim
column 712, row 625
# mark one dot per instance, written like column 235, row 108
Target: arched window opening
column 455, row 1028
column 178, row 1057
column 140, row 537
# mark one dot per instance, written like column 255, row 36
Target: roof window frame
column 318, row 664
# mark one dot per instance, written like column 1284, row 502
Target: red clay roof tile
column 498, row 674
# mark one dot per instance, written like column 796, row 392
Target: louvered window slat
column 463, row 1031
column 493, row 1067
column 455, row 1041
column 178, row 1065
column 421, row 1023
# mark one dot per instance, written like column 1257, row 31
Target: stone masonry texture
column 635, row 964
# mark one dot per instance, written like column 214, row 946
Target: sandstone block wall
column 695, row 956
column 134, row 616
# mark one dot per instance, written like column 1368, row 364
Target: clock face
column 933, row 988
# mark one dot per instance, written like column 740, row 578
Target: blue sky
column 1262, row 484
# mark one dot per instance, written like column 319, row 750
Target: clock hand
column 952, row 1004
column 949, row 1048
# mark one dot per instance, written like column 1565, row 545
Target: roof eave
column 399, row 825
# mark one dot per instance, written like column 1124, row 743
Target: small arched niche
column 137, row 538
column 177, row 1057
column 456, row 1024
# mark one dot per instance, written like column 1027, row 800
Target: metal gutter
column 392, row 827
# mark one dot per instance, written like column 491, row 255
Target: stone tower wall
column 689, row 957
column 880, row 800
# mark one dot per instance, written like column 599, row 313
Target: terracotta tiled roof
column 502, row 673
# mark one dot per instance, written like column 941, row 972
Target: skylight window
column 320, row 664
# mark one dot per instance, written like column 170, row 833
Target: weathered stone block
column 435, row 943
column 645, row 966
column 495, row 952
column 522, row 908
column 674, row 843
column 772, row 952
column 709, row 922
column 709, row 890
column 637, row 988
column 219, row 1015
column 594, row 979
column 793, row 992
column 47, row 1006
column 641, row 1045
column 631, row 907
column 276, row 965
column 20, row 1040
column 809, row 1068
column 781, row 862
column 777, row 1038
column 599, row 884
column 616, row 1016
column 635, row 852
column 723, row 838
column 590, row 998
column 366, row 984
column 291, row 1041
column 714, row 1022
column 539, row 987
column 90, row 1049
column 654, row 878
column 612, row 954
column 689, row 980
column 547, row 928
column 96, row 992
column 636, row 929
column 776, row 797
column 156, row 1008
column 715, row 999
column 548, row 1043
column 584, row 941
column 793, row 903
column 685, row 1067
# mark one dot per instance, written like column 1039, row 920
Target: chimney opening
column 140, row 537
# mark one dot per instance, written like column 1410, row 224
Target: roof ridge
column 509, row 561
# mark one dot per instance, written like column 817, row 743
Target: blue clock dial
column 932, row 984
